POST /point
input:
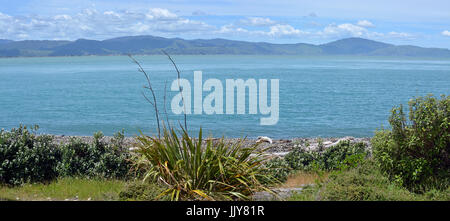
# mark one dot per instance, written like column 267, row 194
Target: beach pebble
column 276, row 147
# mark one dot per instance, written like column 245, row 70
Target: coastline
column 278, row 147
column 339, row 56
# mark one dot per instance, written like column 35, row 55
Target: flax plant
column 203, row 169
column 197, row 168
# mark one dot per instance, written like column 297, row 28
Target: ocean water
column 318, row 96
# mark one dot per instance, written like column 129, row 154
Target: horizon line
column 247, row 41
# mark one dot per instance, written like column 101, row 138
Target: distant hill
column 153, row 45
column 4, row 41
column 353, row 46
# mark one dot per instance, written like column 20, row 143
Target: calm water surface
column 319, row 96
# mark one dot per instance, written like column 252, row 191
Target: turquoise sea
column 319, row 96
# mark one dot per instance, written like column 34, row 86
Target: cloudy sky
column 423, row 23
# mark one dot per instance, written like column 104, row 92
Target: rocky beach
column 278, row 147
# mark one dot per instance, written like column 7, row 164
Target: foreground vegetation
column 410, row 162
column 365, row 182
column 167, row 168
column 203, row 170
column 28, row 158
column 67, row 188
column 415, row 154
column 339, row 156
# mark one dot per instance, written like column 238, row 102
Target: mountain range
column 153, row 45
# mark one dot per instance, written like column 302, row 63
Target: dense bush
column 278, row 169
column 331, row 158
column 97, row 159
column 300, row 159
column 415, row 153
column 26, row 157
column 335, row 156
column 328, row 159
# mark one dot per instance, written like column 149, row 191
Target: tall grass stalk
column 149, row 87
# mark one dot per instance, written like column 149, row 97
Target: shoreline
column 278, row 146
column 262, row 55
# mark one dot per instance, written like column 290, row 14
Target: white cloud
column 86, row 28
column 365, row 23
column 4, row 16
column 62, row 17
column 257, row 21
column 284, row 30
column 183, row 26
column 92, row 24
column 343, row 30
column 399, row 34
column 231, row 29
column 112, row 13
column 140, row 27
column 278, row 30
column 160, row 14
column 89, row 11
column 446, row 33
column 330, row 32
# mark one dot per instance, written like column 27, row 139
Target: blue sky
column 423, row 23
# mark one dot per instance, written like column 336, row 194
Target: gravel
column 279, row 147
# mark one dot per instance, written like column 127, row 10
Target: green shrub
column 308, row 193
column 300, row 159
column 415, row 153
column 335, row 156
column 97, row 159
column 437, row 195
column 200, row 169
column 26, row 157
column 328, row 159
column 278, row 169
column 139, row 191
column 365, row 182
column 340, row 156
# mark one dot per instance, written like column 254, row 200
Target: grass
column 363, row 183
column 65, row 188
column 142, row 191
column 302, row 178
